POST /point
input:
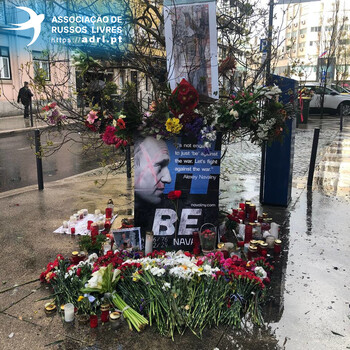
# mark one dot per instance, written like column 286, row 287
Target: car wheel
column 345, row 107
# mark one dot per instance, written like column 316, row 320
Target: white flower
column 96, row 280
column 234, row 113
column 166, row 286
column 122, row 116
column 260, row 272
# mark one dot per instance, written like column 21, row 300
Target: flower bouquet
column 53, row 114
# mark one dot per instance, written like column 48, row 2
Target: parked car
column 333, row 100
column 340, row 89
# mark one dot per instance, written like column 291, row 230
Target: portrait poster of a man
column 165, row 166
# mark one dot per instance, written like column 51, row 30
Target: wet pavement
column 308, row 307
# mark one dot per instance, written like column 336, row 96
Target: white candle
column 85, row 212
column 270, row 240
column 274, row 229
column 65, row 224
column 97, row 212
column 69, row 312
column 149, row 243
column 241, row 231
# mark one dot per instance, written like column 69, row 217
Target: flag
column 323, row 54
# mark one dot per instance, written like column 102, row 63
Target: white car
column 333, row 100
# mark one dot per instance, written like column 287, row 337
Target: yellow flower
column 200, row 269
column 173, row 125
column 187, row 307
column 80, row 298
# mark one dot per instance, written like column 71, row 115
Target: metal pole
column 269, row 42
column 262, row 172
column 31, row 112
column 128, row 162
column 313, row 157
column 39, row 164
column 341, row 118
column 268, row 73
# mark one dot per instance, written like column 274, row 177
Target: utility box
column 278, row 157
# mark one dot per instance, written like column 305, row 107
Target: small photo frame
column 127, row 238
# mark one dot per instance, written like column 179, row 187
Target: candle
column 72, row 230
column 274, row 229
column 85, row 212
column 149, row 243
column 270, row 240
column 93, row 321
column 94, row 231
column 241, row 230
column 277, row 246
column 108, row 213
column 196, row 243
column 105, row 313
column 89, row 223
column 65, row 224
column 97, row 212
column 248, row 233
column 69, row 312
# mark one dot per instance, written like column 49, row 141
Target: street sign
column 263, row 45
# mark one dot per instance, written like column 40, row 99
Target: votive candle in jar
column 196, row 243
column 93, row 321
column 105, row 313
column 69, row 312
column 114, row 319
column 263, row 249
column 65, row 224
column 109, row 213
column 94, row 231
column 252, row 252
column 72, row 230
column 274, row 229
column 270, row 240
column 85, row 212
column 149, row 242
column 89, row 223
column 248, row 233
column 97, row 212
column 277, row 246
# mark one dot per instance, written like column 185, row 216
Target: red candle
column 277, row 246
column 242, row 206
column 89, row 223
column 93, row 321
column 240, row 244
column 108, row 213
column 196, row 243
column 94, row 232
column 72, row 231
column 248, row 233
column 104, row 316
column 225, row 252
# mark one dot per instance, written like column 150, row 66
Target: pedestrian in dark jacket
column 25, row 96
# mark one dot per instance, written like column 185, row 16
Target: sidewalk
column 18, row 124
column 309, row 304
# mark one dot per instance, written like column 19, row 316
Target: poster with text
column 191, row 45
column 162, row 167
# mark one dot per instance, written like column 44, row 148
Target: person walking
column 25, row 96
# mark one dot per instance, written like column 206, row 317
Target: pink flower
column 109, row 136
column 91, row 117
column 236, row 102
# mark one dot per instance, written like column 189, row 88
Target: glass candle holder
column 109, row 213
column 93, row 321
column 208, row 240
column 277, row 246
column 105, row 313
column 196, row 243
column 69, row 312
column 248, row 233
column 149, row 243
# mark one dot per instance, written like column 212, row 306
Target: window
column 41, row 65
column 315, row 29
column 5, row 70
